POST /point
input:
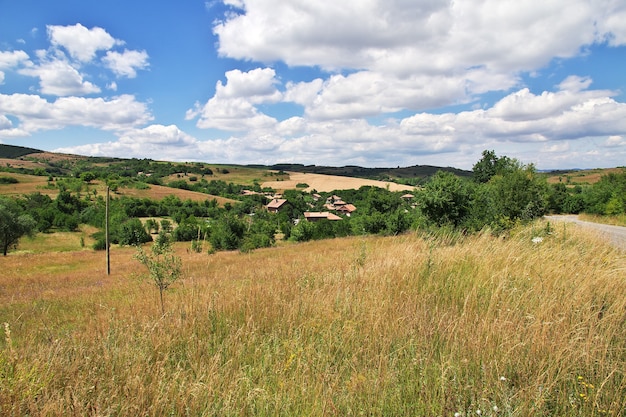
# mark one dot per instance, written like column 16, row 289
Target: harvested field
column 159, row 192
column 326, row 183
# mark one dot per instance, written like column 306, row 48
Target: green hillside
column 12, row 152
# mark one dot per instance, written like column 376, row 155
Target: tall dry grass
column 408, row 325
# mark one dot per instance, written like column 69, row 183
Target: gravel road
column 616, row 234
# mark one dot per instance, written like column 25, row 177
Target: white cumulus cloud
column 81, row 43
column 57, row 77
column 233, row 107
column 34, row 113
column 126, row 64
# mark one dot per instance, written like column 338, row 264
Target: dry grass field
column 401, row 326
column 590, row 176
column 32, row 183
column 159, row 192
column 326, row 183
column 26, row 184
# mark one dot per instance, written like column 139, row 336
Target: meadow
column 531, row 323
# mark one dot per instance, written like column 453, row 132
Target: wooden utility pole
column 106, row 232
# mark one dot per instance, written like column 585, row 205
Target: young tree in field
column 164, row 267
column 13, row 224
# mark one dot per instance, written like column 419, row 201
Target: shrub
column 132, row 232
column 8, row 180
column 164, row 267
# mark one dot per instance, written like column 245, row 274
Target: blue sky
column 377, row 83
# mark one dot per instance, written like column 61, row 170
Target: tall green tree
column 491, row 165
column 446, row 199
column 13, row 224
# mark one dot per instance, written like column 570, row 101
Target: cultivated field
column 326, row 183
column 396, row 326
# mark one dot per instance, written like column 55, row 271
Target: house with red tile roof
column 276, row 205
column 313, row 216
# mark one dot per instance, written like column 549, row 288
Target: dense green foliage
column 13, row 224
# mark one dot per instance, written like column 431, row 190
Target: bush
column 227, row 233
column 8, row 180
column 133, row 233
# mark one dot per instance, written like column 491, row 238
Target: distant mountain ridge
column 416, row 171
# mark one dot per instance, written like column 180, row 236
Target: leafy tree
column 88, row 176
column 132, row 232
column 189, row 229
column 607, row 196
column 397, row 222
column 446, row 199
column 166, row 225
column 164, row 267
column 13, row 224
column 303, row 231
column 491, row 165
column 227, row 233
column 152, row 225
column 520, row 193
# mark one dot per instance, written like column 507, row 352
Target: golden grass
column 59, row 241
column 235, row 174
column 27, row 184
column 358, row 326
column 159, row 192
column 589, row 176
column 617, row 220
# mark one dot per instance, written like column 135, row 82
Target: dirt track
column 326, row 183
column 616, row 234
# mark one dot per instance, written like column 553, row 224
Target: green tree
column 521, row 194
column 227, row 233
column 491, row 165
column 303, row 231
column 164, row 267
column 132, row 232
column 13, row 224
column 152, row 225
column 88, row 176
column 446, row 199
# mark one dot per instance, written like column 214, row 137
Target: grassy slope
column 32, row 183
column 582, row 177
column 359, row 326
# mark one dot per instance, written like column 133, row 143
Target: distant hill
column 12, row 152
column 384, row 174
column 416, row 171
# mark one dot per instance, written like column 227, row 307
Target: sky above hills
column 375, row 83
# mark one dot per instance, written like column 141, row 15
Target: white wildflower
column 537, row 239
